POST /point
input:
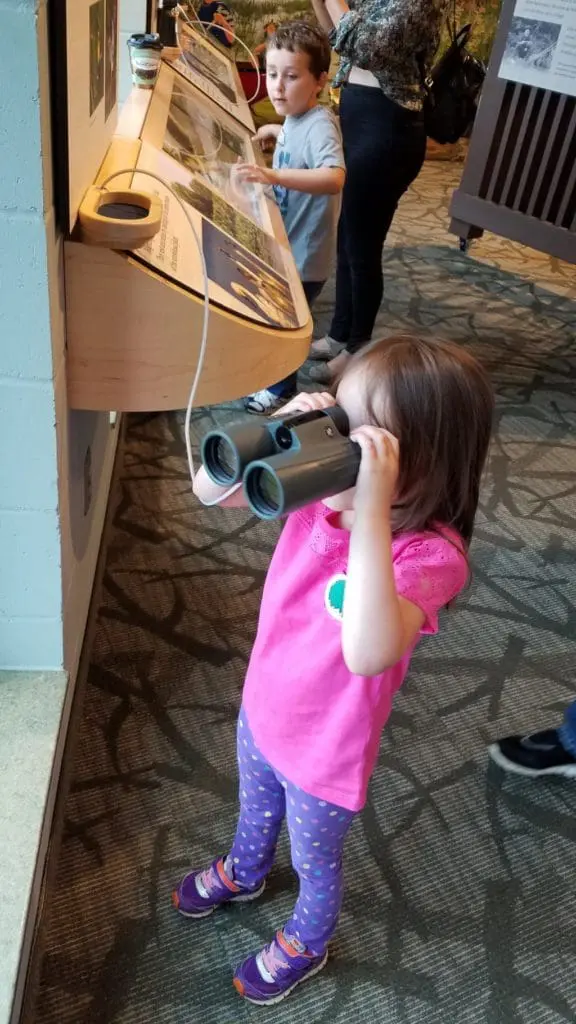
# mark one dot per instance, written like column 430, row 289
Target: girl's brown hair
column 437, row 400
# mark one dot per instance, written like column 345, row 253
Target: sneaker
column 539, row 754
column 328, row 373
column 200, row 893
column 270, row 975
column 264, row 403
column 325, row 348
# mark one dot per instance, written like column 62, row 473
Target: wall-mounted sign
column 84, row 69
column 541, row 45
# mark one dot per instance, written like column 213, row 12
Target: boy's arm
column 316, row 181
column 267, row 131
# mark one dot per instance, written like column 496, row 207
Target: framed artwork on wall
column 84, row 73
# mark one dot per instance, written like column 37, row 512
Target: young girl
column 352, row 584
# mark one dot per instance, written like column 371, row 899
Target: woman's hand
column 307, row 402
column 379, row 466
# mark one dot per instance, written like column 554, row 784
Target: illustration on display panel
column 208, row 202
column 246, row 278
column 194, row 134
column 247, row 268
column 202, row 64
column 96, row 43
column 205, row 140
column 111, row 57
column 193, row 146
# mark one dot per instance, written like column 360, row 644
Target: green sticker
column 334, row 596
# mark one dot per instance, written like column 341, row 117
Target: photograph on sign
column 201, row 63
column 257, row 287
column 540, row 48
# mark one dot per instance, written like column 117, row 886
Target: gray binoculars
column 284, row 462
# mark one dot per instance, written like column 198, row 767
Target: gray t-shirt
column 310, row 140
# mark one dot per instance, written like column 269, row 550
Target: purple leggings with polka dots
column 317, row 831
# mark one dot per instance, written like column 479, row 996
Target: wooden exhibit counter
column 134, row 318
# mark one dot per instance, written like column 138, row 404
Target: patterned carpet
column 461, row 904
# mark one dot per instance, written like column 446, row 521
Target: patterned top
column 385, row 37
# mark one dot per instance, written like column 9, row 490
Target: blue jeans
column 286, row 388
column 567, row 731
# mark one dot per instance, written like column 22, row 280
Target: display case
column 135, row 318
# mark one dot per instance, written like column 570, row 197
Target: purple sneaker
column 201, row 892
column 270, row 975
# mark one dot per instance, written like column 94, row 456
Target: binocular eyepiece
column 284, row 462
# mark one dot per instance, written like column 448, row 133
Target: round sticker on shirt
column 334, row 596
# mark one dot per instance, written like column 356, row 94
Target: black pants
column 286, row 388
column 384, row 148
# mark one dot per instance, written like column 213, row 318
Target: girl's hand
column 307, row 402
column 251, row 172
column 378, row 473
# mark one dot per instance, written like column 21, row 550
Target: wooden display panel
column 134, row 340
column 134, row 321
column 193, row 146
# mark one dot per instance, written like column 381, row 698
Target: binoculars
column 284, row 462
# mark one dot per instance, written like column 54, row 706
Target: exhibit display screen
column 202, row 64
column 193, row 145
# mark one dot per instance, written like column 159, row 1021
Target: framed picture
column 84, row 72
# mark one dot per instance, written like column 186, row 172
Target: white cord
column 228, row 32
column 204, row 338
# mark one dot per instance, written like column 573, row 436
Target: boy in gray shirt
column 307, row 173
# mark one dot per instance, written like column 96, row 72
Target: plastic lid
column 145, row 40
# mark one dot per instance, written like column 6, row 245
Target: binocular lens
column 263, row 491
column 220, row 456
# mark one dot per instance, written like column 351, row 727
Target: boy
column 307, row 173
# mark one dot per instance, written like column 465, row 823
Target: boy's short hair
column 302, row 37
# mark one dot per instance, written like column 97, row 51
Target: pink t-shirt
column 313, row 720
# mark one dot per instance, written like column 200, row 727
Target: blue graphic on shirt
column 280, row 192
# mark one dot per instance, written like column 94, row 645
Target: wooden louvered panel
column 520, row 177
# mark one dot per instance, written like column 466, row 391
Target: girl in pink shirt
column 353, row 583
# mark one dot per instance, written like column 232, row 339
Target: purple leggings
column 317, row 831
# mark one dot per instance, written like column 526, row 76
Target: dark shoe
column 325, row 348
column 327, row 373
column 539, row 754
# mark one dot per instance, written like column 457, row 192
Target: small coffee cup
column 145, row 51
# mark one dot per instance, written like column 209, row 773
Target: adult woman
column 383, row 44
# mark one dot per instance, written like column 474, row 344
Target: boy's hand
column 267, row 135
column 379, row 466
column 251, row 172
column 307, row 402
